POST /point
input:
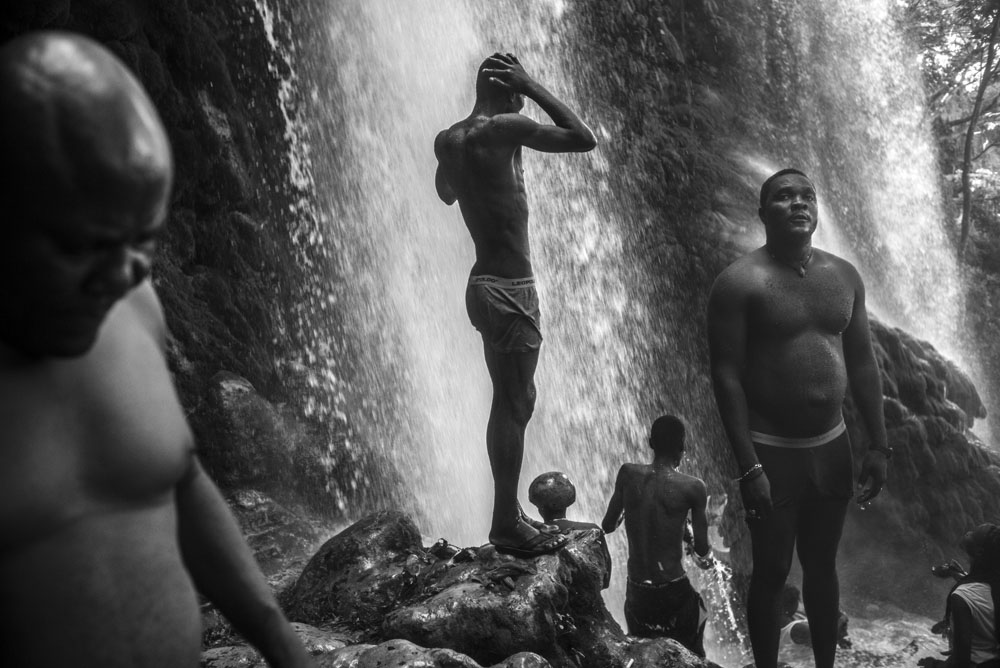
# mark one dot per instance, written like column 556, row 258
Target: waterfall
column 366, row 86
column 376, row 82
column 845, row 87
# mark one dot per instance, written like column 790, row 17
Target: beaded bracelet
column 750, row 473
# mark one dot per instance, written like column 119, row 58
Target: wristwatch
column 887, row 451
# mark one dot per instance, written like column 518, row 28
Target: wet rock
column 378, row 581
column 404, row 653
column 360, row 574
column 318, row 642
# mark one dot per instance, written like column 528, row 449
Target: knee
column 523, row 405
column 771, row 574
column 818, row 565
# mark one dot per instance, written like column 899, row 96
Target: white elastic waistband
column 486, row 279
column 809, row 442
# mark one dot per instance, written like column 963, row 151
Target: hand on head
column 505, row 71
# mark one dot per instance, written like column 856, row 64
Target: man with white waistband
column 654, row 501
column 788, row 334
column 479, row 166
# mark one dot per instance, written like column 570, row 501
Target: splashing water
column 365, row 87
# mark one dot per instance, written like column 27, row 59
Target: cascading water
column 850, row 86
column 366, row 86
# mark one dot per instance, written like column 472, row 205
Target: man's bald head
column 74, row 120
column 85, row 190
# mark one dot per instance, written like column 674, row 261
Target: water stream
column 366, row 86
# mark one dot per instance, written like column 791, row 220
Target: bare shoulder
column 842, row 267
column 740, row 278
column 629, row 471
column 693, row 484
column 145, row 304
column 507, row 128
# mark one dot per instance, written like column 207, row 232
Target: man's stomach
column 796, row 390
column 107, row 590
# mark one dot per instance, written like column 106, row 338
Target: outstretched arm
column 866, row 388
column 699, row 520
column 224, row 569
column 569, row 134
column 727, row 341
column 616, row 506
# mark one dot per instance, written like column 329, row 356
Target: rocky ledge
column 373, row 595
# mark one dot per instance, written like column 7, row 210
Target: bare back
column 485, row 173
column 94, row 447
column 656, row 504
column 786, row 332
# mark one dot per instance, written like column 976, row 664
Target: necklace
column 799, row 267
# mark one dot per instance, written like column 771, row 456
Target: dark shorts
column 670, row 610
column 505, row 311
column 803, row 474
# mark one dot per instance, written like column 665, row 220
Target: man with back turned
column 107, row 521
column 479, row 166
column 788, row 335
column 655, row 500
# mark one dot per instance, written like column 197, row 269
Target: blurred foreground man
column 107, row 520
column 479, row 166
column 788, row 334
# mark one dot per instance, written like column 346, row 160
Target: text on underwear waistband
column 809, row 442
column 486, row 279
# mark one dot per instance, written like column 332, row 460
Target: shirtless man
column 788, row 334
column 479, row 166
column 655, row 500
column 107, row 521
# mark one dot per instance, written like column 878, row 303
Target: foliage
column 958, row 41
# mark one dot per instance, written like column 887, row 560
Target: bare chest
column 787, row 305
column 84, row 435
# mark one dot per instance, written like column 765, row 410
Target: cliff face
column 231, row 287
column 227, row 271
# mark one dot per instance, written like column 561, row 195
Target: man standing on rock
column 479, row 166
column 656, row 500
column 788, row 334
column 107, row 520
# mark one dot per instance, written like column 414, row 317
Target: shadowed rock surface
column 375, row 588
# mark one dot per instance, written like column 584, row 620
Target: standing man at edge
column 107, row 520
column 479, row 166
column 788, row 334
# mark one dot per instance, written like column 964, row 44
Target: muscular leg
column 773, row 543
column 513, row 403
column 820, row 526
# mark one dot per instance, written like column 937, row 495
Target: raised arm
column 569, row 134
column 727, row 344
column 616, row 506
column 866, row 388
column 224, row 570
